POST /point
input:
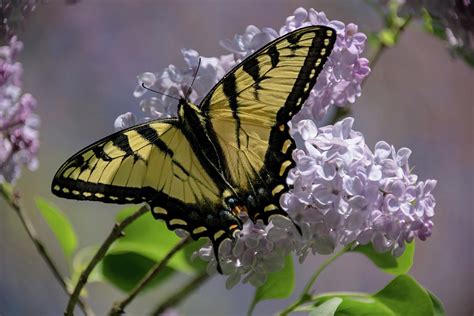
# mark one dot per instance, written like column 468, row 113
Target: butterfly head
column 237, row 208
column 188, row 111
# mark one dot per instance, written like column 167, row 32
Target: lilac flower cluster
column 18, row 124
column 258, row 250
column 342, row 192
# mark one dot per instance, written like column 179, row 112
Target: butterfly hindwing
column 250, row 107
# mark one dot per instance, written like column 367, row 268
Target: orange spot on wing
column 239, row 209
column 232, row 227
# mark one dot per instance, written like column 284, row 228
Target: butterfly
column 213, row 163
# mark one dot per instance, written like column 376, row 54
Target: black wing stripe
column 150, row 134
column 229, row 88
column 274, row 55
column 121, row 141
column 100, row 153
column 202, row 138
column 298, row 94
column 252, row 67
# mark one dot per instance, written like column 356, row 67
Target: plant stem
column 179, row 295
column 115, row 234
column 382, row 47
column 340, row 113
column 30, row 230
column 119, row 307
column 306, row 295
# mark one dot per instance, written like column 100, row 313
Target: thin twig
column 30, row 230
column 339, row 113
column 115, row 234
column 179, row 295
column 119, row 307
column 382, row 47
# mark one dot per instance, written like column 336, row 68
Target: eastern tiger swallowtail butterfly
column 230, row 154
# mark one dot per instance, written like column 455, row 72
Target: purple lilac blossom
column 346, row 193
column 341, row 192
column 19, row 142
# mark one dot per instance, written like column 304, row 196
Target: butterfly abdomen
column 202, row 138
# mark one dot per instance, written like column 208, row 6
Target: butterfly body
column 228, row 156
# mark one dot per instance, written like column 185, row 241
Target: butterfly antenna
column 194, row 78
column 166, row 95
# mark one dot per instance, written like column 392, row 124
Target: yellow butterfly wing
column 151, row 162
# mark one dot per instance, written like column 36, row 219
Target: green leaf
column 373, row 40
column 153, row 240
column 127, row 269
column 387, row 37
column 402, row 296
column 279, row 285
column 328, row 308
column 146, row 242
column 356, row 304
column 60, row 226
column 386, row 261
column 437, row 305
column 433, row 25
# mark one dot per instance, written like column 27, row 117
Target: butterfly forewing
column 152, row 163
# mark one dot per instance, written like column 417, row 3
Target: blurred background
column 81, row 62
